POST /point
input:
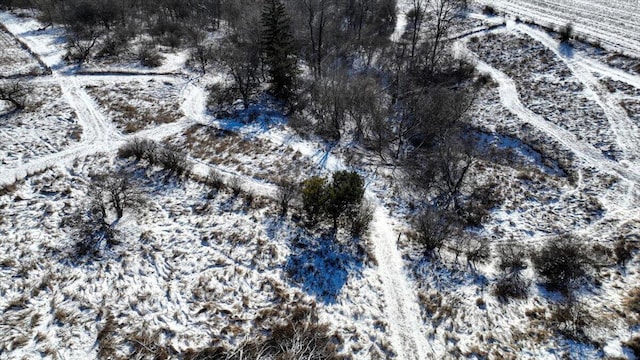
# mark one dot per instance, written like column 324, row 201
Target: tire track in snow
column 627, row 134
column 587, row 19
column 589, row 155
column 615, row 74
column 98, row 133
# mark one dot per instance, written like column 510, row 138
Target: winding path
column 402, row 311
column 627, row 133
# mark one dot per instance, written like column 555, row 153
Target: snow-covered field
column 615, row 24
column 197, row 266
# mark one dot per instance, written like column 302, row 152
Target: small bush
column 361, row 219
column 570, row 318
column 562, row 262
column 214, row 180
column 511, row 286
column 296, row 338
column 220, row 99
column 566, row 33
column 139, row 149
column 478, row 251
column 632, row 301
column 477, row 208
column 149, row 56
column 175, row 161
column 314, row 198
column 623, row 251
column 236, row 186
column 512, row 258
column 433, row 227
column 489, row 10
column 634, row 345
column 287, row 191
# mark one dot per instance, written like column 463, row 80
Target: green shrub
column 341, row 198
column 345, row 195
column 314, row 198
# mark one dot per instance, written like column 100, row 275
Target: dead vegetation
column 136, row 106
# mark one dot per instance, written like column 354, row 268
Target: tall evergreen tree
column 279, row 49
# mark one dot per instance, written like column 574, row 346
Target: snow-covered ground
column 196, row 266
column 615, row 24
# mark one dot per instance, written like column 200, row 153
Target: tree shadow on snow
column 566, row 50
column 253, row 121
column 323, row 265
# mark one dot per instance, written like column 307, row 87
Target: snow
column 198, row 265
column 614, row 24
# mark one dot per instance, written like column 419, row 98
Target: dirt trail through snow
column 586, row 153
column 627, row 133
column 406, row 330
column 405, row 327
column 98, row 133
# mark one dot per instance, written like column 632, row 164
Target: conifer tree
column 279, row 51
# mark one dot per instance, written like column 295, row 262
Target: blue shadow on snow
column 255, row 120
column 322, row 266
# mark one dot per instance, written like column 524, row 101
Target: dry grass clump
column 298, row 336
column 634, row 345
column 631, row 304
column 154, row 103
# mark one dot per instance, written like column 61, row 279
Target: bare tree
column 14, row 92
column 365, row 104
column 442, row 15
column 329, row 103
column 115, row 192
column 241, row 54
column 415, row 18
column 287, row 191
column 433, row 227
column 109, row 196
column 317, row 15
column 202, row 54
